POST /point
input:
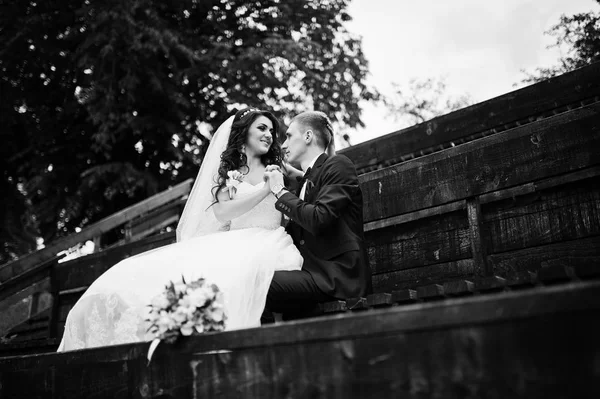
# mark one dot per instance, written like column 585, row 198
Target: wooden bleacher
column 483, row 231
column 37, row 287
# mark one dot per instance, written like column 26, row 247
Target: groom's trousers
column 294, row 294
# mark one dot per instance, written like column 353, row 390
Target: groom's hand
column 273, row 176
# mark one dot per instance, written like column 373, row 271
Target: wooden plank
column 565, row 143
column 404, row 296
column 15, row 308
column 155, row 221
column 85, row 270
column 433, row 274
column 335, row 307
column 489, row 283
column 380, row 300
column 31, row 260
column 456, row 330
column 467, row 361
column 72, row 274
column 477, row 239
column 492, row 196
column 40, row 286
column 522, row 106
column 432, row 291
column 459, row 287
column 569, row 253
column 562, row 213
column 440, row 239
column 31, row 347
column 413, row 216
column 539, row 185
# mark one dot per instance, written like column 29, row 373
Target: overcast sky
column 480, row 47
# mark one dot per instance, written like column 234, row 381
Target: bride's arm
column 227, row 209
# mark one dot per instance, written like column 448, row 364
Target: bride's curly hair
column 233, row 158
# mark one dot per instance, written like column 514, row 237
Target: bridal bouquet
column 185, row 309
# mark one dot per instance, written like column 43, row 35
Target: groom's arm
column 339, row 184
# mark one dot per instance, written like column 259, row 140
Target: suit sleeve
column 339, row 183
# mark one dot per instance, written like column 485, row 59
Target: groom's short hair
column 319, row 123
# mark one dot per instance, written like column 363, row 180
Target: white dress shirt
column 303, row 190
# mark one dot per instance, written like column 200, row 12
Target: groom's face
column 294, row 147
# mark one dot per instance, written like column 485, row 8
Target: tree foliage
column 424, row 99
column 579, row 36
column 106, row 102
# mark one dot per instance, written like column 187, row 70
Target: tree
column 579, row 36
column 103, row 100
column 423, row 100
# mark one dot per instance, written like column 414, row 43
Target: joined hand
column 273, row 176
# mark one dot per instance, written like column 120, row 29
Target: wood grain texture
column 477, row 236
column 526, row 104
column 31, row 260
column 569, row 253
column 459, row 348
column 553, row 146
column 432, row 274
column 563, row 213
column 155, row 220
column 434, row 240
column 458, row 363
column 499, row 195
column 84, row 270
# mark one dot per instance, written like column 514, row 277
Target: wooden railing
column 22, row 281
column 50, row 252
column 517, row 108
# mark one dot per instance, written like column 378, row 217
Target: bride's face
column 260, row 137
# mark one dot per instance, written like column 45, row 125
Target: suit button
column 301, row 242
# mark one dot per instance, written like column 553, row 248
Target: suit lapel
column 311, row 183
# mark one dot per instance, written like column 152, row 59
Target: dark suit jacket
column 327, row 228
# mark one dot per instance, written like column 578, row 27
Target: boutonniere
column 232, row 183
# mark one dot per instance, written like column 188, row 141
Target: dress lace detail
column 263, row 215
column 113, row 309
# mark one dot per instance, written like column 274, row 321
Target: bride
column 232, row 236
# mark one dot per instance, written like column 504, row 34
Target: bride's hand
column 271, row 168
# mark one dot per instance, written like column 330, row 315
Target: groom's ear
column 308, row 136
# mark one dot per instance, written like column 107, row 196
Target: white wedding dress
column 241, row 262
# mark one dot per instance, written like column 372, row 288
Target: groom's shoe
column 267, row 317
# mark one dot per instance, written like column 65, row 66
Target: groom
column 326, row 223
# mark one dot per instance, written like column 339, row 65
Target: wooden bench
column 534, row 343
column 492, row 212
column 441, row 224
column 485, row 268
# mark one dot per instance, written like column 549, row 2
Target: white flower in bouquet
column 185, row 309
column 160, row 302
column 187, row 329
column 199, row 297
